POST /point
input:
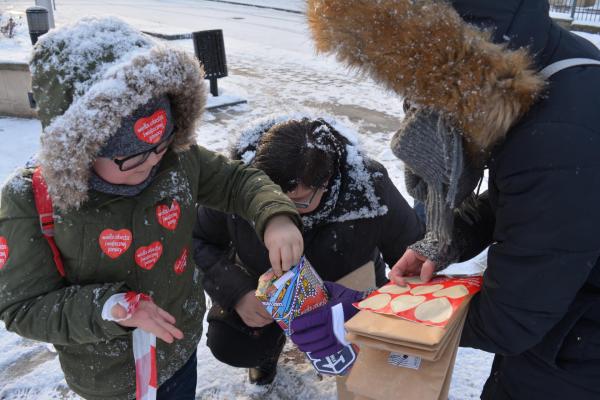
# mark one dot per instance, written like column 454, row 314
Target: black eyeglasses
column 130, row 162
column 304, row 205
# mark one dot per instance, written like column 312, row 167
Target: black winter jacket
column 334, row 248
column 539, row 309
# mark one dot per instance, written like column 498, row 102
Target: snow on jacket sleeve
column 35, row 301
column 401, row 226
column 233, row 187
column 224, row 280
column 547, row 238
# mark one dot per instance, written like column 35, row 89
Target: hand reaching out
column 252, row 312
column 284, row 242
column 151, row 318
column 412, row 264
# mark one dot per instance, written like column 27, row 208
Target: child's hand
column 412, row 264
column 150, row 318
column 252, row 312
column 284, row 242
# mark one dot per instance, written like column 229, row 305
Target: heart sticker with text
column 168, row 216
column 151, row 129
column 181, row 262
column 147, row 256
column 114, row 243
column 3, row 251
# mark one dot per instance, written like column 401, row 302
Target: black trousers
column 233, row 342
column 182, row 385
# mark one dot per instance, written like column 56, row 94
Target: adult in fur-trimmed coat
column 479, row 100
column 125, row 175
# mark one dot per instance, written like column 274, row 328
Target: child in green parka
column 124, row 176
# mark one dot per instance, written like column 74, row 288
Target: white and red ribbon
column 144, row 352
column 144, row 344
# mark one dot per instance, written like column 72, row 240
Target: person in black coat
column 355, row 221
column 475, row 72
column 539, row 310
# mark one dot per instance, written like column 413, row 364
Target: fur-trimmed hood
column 516, row 23
column 352, row 196
column 424, row 51
column 87, row 77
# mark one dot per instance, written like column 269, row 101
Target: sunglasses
column 303, row 205
column 133, row 161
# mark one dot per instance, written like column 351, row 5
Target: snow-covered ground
column 272, row 64
column 289, row 5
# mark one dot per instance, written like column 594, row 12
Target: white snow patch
column 81, row 43
column 15, row 48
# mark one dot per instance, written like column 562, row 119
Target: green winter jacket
column 35, row 302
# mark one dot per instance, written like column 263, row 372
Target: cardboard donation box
column 298, row 291
column 408, row 338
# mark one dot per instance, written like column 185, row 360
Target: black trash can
column 37, row 21
column 209, row 47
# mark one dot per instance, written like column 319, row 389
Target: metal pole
column 214, row 88
column 47, row 4
column 573, row 9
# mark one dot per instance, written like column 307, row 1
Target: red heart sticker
column 4, row 251
column 168, row 216
column 181, row 262
column 151, row 129
column 114, row 243
column 147, row 256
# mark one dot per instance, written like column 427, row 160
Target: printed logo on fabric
column 181, row 262
column 147, row 256
column 114, row 243
column 168, row 217
column 3, row 251
column 151, row 129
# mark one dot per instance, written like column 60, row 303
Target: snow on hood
column 86, row 77
column 357, row 197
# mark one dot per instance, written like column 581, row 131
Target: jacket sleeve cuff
column 110, row 327
column 429, row 247
column 261, row 222
column 236, row 286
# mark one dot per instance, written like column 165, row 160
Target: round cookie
column 406, row 302
column 376, row 302
column 426, row 289
column 413, row 279
column 436, row 311
column 393, row 289
column 453, row 292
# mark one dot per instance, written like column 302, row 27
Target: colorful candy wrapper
column 298, row 291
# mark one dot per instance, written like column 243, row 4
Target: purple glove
column 314, row 331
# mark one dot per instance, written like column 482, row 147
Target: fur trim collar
column 425, row 52
column 72, row 140
column 352, row 193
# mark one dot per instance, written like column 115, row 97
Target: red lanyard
column 43, row 204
